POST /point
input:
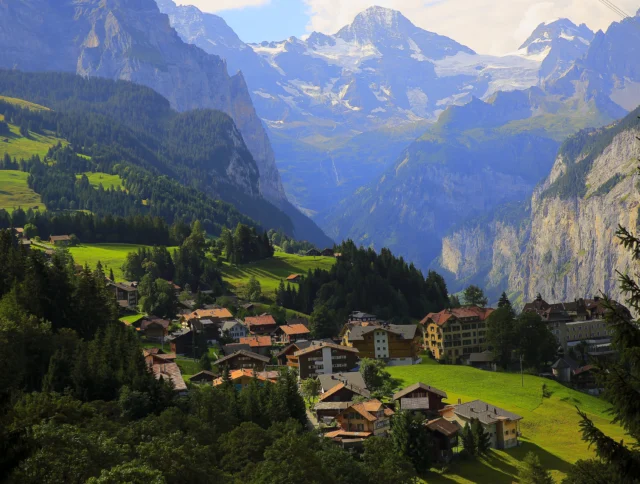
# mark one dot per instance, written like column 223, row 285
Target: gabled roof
column 233, row 347
column 216, row 313
column 444, row 426
column 150, row 321
column 60, row 238
column 487, row 414
column 344, row 434
column 356, row 390
column 583, row 369
column 457, row 313
column 407, row 331
column 421, row 386
column 331, row 405
column 204, row 373
column 248, row 354
column 256, row 341
column 293, row 277
column 565, row 362
column 368, row 409
column 270, row 376
column 228, row 325
column 294, row 329
column 349, row 377
column 170, row 371
column 313, row 348
column 264, row 320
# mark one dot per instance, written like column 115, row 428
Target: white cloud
column 487, row 26
column 220, row 5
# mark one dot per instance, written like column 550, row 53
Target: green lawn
column 132, row 318
column 107, row 181
column 20, row 147
column 549, row 428
column 14, row 191
column 112, row 256
column 270, row 271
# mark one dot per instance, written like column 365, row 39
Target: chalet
column 203, row 377
column 242, row 378
column 343, row 392
column 326, row 412
column 126, row 293
column 157, row 355
column 360, row 317
column 502, row 426
column 397, row 344
column 60, row 240
column 291, row 333
column 289, row 350
column 313, row 253
column 235, row 329
column 327, row 253
column 566, row 370
column 214, row 314
column 420, row 398
column 327, row 382
column 19, row 232
column 371, row 417
column 164, row 367
column 183, row 342
column 294, row 278
column 444, row 438
column 243, row 360
column 456, row 333
column 482, row 361
column 154, row 329
column 209, row 329
column 325, row 358
column 233, row 347
column 258, row 344
column 262, row 325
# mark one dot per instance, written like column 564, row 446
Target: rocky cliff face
column 565, row 247
column 131, row 40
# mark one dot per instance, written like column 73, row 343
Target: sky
column 487, row 26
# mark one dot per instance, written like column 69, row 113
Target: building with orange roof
column 264, row 324
column 241, row 378
column 215, row 314
column 369, row 416
column 456, row 333
column 343, row 392
column 290, row 333
column 258, row 344
column 294, row 278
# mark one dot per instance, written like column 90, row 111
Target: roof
column 123, row 286
column 56, row 238
column 331, row 405
column 293, row 277
column 249, row 354
column 313, row 348
column 457, row 313
column 361, row 315
column 421, row 386
column 352, row 378
column 264, row 320
column 487, row 414
column 359, row 391
column 583, row 369
column 407, row 331
column 204, row 374
column 217, row 313
column 271, row 376
column 233, row 347
column 228, row 325
column 344, row 433
column 256, row 341
column 484, row 357
column 369, row 408
column 294, row 329
column 564, row 362
column 146, row 322
column 421, row 403
column 444, row 426
column 171, row 372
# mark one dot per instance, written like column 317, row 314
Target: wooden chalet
column 243, row 360
column 291, row 333
column 261, row 325
column 203, row 377
column 258, row 344
column 420, row 397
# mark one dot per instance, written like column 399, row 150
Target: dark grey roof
column 178, row 334
column 361, row 315
column 233, row 347
column 487, row 414
column 352, row 378
column 250, row 354
column 332, row 405
column 421, row 386
column 407, row 331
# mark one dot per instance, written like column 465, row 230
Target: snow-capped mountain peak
column 556, row 31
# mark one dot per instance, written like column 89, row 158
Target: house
column 371, row 416
column 242, row 378
column 313, row 253
column 397, row 344
column 25, row 244
column 214, row 314
column 502, row 426
column 584, row 378
column 291, row 333
column 156, row 355
column 290, row 349
column 327, row 382
column 19, row 232
column 60, row 240
column 327, row 411
column 184, row 342
column 563, row 368
column 164, row 367
column 444, row 438
column 233, row 347
column 264, row 324
column 209, row 329
column 203, row 377
column 456, row 333
column 126, row 293
column 420, row 397
column 325, row 358
column 235, row 329
column 241, row 360
column 360, row 317
column 294, row 278
column 154, row 329
column 343, row 392
column 258, row 344
column 482, row 361
column 327, row 253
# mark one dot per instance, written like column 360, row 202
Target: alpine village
column 370, row 256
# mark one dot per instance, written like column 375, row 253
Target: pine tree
column 205, row 362
column 504, row 301
column 111, row 276
column 481, row 438
column 468, row 441
column 532, row 472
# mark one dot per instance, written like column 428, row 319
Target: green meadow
column 111, row 256
column 549, row 426
column 14, row 192
column 107, row 181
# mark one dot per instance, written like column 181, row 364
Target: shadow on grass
column 496, row 468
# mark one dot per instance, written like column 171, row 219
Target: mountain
column 561, row 242
column 132, row 40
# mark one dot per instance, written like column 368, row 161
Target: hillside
column 15, row 192
column 549, row 429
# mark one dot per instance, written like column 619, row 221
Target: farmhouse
column 291, row 333
column 396, row 344
column 327, row 253
column 313, row 253
column 264, row 324
column 164, row 367
column 258, row 344
column 242, row 360
column 294, row 278
column 444, row 438
column 344, row 392
column 154, row 329
column 420, row 397
column 325, row 358
column 371, row 417
column 203, row 377
column 60, row 240
column 327, row 382
column 502, row 426
column 454, row 333
column 242, row 378
column 183, row 343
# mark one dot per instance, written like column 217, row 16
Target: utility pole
column 521, row 371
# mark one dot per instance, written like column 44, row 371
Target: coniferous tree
column 468, row 440
column 481, row 438
column 474, row 296
column 504, row 301
column 533, row 472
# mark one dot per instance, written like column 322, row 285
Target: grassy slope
column 23, row 104
column 105, row 179
column 14, row 191
column 270, row 271
column 111, row 256
column 549, row 427
column 20, row 147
